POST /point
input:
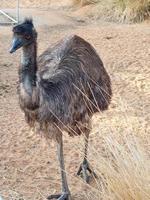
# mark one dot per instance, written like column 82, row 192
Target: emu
column 60, row 90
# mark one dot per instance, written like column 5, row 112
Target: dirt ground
column 28, row 165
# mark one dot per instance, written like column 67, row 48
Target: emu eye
column 27, row 36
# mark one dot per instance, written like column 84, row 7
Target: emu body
column 61, row 89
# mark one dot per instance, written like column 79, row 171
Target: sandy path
column 28, row 166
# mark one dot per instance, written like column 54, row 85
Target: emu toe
column 63, row 196
column 85, row 171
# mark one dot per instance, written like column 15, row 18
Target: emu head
column 24, row 34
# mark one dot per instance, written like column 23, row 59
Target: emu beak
column 16, row 44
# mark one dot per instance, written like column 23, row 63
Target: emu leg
column 65, row 195
column 84, row 170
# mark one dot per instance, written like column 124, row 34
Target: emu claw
column 84, row 170
column 63, row 196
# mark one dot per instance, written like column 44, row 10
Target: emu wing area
column 72, row 82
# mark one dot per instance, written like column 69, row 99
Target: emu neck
column 28, row 67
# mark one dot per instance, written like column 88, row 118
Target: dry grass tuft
column 134, row 11
column 124, row 171
column 118, row 10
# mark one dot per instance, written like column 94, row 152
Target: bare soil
column 28, row 165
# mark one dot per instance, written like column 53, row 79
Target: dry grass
column 124, row 171
column 120, row 10
column 122, row 164
column 121, row 158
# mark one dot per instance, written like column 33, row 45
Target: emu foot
column 85, row 171
column 63, row 196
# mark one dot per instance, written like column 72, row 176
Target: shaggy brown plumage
column 71, row 85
